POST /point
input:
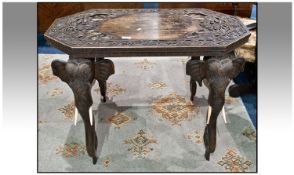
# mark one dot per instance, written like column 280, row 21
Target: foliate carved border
column 82, row 29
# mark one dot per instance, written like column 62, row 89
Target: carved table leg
column 216, row 101
column 103, row 69
column 78, row 73
column 190, row 67
column 103, row 87
column 193, row 88
column 216, row 73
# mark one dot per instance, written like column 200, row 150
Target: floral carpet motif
column 195, row 137
column 55, row 92
column 68, row 111
column 112, row 90
column 151, row 129
column 106, row 163
column 233, row 162
column 249, row 133
column 45, row 74
column 71, row 150
column 140, row 144
column 174, row 108
column 229, row 100
column 119, row 119
column 145, row 64
column 157, row 85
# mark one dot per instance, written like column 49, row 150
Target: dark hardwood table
column 89, row 36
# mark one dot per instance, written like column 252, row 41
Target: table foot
column 104, row 68
column 94, row 160
column 207, row 155
column 78, row 73
column 209, row 136
column 217, row 73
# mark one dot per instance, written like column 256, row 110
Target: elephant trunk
column 216, row 103
column 83, row 102
column 216, row 100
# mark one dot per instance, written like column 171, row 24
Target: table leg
column 193, row 88
column 103, row 69
column 78, row 73
column 192, row 65
column 216, row 101
column 216, row 72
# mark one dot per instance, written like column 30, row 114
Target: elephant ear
column 238, row 66
column 58, row 68
column 77, row 68
column 197, row 70
column 103, row 69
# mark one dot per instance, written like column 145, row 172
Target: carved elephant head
column 216, row 72
column 79, row 75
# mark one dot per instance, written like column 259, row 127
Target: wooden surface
column 142, row 32
column 48, row 12
column 242, row 9
column 150, row 26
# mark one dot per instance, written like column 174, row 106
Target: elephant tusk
column 76, row 116
column 91, row 115
column 224, row 115
column 208, row 114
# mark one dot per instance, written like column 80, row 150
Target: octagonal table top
column 147, row 32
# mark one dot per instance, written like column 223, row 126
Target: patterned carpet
column 147, row 125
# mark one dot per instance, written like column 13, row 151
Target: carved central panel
column 144, row 28
column 151, row 26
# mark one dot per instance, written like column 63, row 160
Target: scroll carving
column 82, row 29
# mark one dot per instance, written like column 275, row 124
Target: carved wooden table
column 91, row 35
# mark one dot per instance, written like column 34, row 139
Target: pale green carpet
column 147, row 125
